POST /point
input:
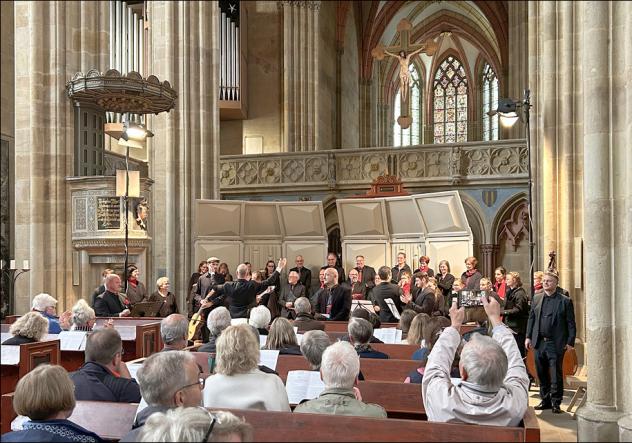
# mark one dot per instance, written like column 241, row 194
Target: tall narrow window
column 490, row 102
column 411, row 135
column 450, row 102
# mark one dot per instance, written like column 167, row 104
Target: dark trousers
column 548, row 364
column 520, row 338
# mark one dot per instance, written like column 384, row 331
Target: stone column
column 516, row 80
column 365, row 113
column 56, row 40
column 597, row 419
column 184, row 154
column 300, row 74
column 488, row 259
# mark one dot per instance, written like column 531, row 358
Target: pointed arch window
column 490, row 102
column 411, row 135
column 450, row 102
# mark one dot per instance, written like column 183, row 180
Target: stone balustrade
column 499, row 163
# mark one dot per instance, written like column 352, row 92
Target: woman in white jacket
column 238, row 383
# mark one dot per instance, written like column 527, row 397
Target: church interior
column 438, row 129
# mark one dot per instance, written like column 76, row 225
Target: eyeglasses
column 199, row 382
column 214, row 420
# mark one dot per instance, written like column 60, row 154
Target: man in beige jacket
column 494, row 384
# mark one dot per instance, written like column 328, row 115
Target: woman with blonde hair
column 46, row 395
column 169, row 304
column 282, row 337
column 238, row 383
column 415, row 336
column 29, row 328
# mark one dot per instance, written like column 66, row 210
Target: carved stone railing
column 499, row 163
column 113, row 161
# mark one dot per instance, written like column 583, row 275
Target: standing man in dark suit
column 241, row 294
column 108, row 304
column 551, row 332
column 332, row 258
column 385, row 290
column 366, row 275
column 334, row 300
column 304, row 274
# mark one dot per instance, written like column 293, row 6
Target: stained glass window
column 490, row 102
column 450, row 102
column 411, row 135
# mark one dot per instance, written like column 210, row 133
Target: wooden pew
column 341, row 326
column 402, row 352
column 140, row 335
column 9, row 319
column 401, row 400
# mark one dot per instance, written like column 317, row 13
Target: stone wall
column 349, row 89
column 7, row 79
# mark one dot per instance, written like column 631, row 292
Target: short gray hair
column 485, row 362
column 260, row 317
column 102, row 345
column 218, row 320
column 340, row 366
column 360, row 330
column 313, row 345
column 242, row 271
column 302, row 305
column 173, row 328
column 192, row 424
column 162, row 375
column 43, row 301
column 82, row 313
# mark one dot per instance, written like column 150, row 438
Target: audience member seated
column 313, row 345
column 218, row 320
column 237, row 382
column 174, row 331
column 45, row 395
column 431, row 328
column 167, row 380
column 109, row 304
column 28, row 328
column 405, row 318
column 304, row 319
column 339, row 371
column 282, row 337
column 471, row 277
column 260, row 319
column 494, row 386
column 195, row 425
column 415, row 333
column 368, row 316
column 104, row 376
column 83, row 317
column 360, row 332
column 45, row 305
column 162, row 294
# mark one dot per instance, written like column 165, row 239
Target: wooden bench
column 401, row 400
column 140, row 335
column 401, row 352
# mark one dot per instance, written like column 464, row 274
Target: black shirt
column 546, row 315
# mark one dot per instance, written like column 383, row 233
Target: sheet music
column 10, row 355
column 126, row 332
column 238, row 321
column 391, row 305
column 133, row 369
column 299, row 338
column 262, row 341
column 296, row 329
column 302, row 385
column 388, row 335
column 269, row 358
column 72, row 340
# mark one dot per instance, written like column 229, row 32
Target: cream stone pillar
column 55, row 40
column 184, row 154
column 597, row 419
column 300, row 74
column 516, row 80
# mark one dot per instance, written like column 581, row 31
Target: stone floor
column 555, row 427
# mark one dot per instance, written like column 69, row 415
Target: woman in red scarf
column 423, row 266
column 500, row 285
column 136, row 291
column 471, row 278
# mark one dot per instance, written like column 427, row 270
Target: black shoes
column 544, row 405
column 556, row 409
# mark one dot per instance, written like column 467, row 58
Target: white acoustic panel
column 218, row 219
column 302, row 220
column 314, row 254
column 454, row 251
column 442, row 215
column 403, row 218
column 375, row 254
column 361, row 218
column 259, row 253
column 261, row 220
column 229, row 252
column 413, row 251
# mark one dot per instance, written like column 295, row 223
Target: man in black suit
column 241, row 294
column 335, row 299
column 551, row 332
column 385, row 290
column 331, row 263
column 366, row 275
column 108, row 304
column 304, row 274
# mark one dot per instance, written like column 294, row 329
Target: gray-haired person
column 313, row 345
column 174, row 330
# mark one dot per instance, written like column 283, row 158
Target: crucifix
column 403, row 53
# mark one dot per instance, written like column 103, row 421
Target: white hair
column 313, row 345
column 218, row 320
column 485, row 362
column 242, row 271
column 360, row 330
column 82, row 313
column 340, row 366
column 302, row 305
column 260, row 317
column 43, row 301
column 173, row 328
column 162, row 375
column 192, row 425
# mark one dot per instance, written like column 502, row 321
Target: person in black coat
column 334, row 300
column 471, row 278
column 241, row 294
column 422, row 299
column 304, row 274
column 109, row 303
column 101, row 288
column 366, row 274
column 402, row 266
column 383, row 291
column 445, row 280
column 550, row 332
column 516, row 310
column 331, row 263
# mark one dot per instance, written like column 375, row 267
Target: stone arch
column 510, row 233
column 476, row 220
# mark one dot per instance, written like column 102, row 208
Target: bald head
column 174, row 331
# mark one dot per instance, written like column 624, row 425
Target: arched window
column 490, row 103
column 450, row 102
column 412, row 135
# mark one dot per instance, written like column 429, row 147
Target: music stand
column 367, row 305
column 146, row 309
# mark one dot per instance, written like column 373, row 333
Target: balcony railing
column 476, row 163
